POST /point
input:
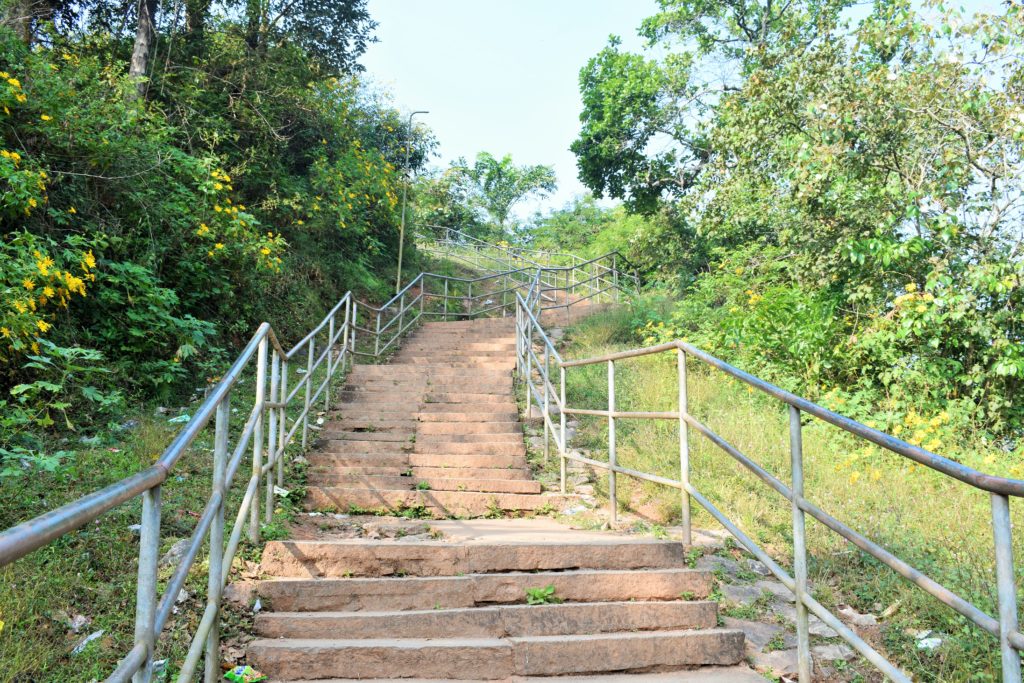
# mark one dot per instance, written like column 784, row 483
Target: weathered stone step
column 390, row 482
column 388, row 558
column 424, row 370
column 508, row 408
column 478, row 415
column 486, row 437
column 428, row 472
column 441, row 504
column 470, row 590
column 359, row 446
column 389, row 396
column 384, row 436
column 493, row 658
column 368, row 424
column 475, row 460
column 705, row 674
column 418, row 385
column 459, row 346
column 442, row 428
column 492, row 622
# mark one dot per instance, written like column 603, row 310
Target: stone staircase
column 453, row 608
column 437, row 428
column 437, row 431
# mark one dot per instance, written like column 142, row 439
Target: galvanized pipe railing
column 537, row 377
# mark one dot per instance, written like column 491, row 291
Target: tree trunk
column 195, row 17
column 145, row 33
column 18, row 17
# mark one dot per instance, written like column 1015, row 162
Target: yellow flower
column 72, row 210
column 921, row 308
column 35, row 347
column 4, row 332
column 218, row 209
column 42, row 325
column 265, row 251
column 218, row 186
column 739, row 271
column 46, row 117
column 854, row 477
column 219, row 245
column 933, row 444
column 20, row 307
column 897, row 430
column 876, row 475
column 28, row 284
column 21, row 97
column 32, row 202
column 15, row 82
column 911, row 287
column 89, row 260
column 48, row 291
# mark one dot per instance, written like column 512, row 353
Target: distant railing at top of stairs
column 289, row 384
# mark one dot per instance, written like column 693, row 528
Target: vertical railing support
column 330, row 363
column 212, row 672
column 145, row 591
column 1006, row 586
column 561, row 413
column 446, row 299
column 352, row 334
column 401, row 318
column 275, row 389
column 547, row 404
column 376, row 339
column 528, row 375
column 613, row 502
column 684, row 448
column 309, row 391
column 470, row 299
column 257, row 439
column 282, row 421
column 796, row 452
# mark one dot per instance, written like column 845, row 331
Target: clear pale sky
column 498, row 76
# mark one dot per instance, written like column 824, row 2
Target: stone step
column 369, row 425
column 330, row 444
column 478, row 415
column 471, row 448
column 391, row 482
column 423, row 370
column 470, row 590
column 480, row 348
column 428, row 472
column 355, row 397
column 389, row 436
column 475, row 460
column 441, row 428
column 439, row 504
column 507, row 437
column 705, row 674
column 360, row 557
column 493, row 622
column 508, row 408
column 494, row 658
column 417, row 386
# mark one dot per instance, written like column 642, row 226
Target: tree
column 497, row 185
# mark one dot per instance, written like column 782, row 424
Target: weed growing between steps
column 934, row 523
column 85, row 582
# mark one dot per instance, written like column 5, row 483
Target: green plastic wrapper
column 244, row 674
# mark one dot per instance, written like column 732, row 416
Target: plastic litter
column 244, row 674
column 180, row 419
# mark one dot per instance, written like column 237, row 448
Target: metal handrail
column 1004, row 626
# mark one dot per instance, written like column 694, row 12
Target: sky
column 500, row 77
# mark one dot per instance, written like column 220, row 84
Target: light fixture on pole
column 405, row 191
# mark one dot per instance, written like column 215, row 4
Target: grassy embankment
column 939, row 525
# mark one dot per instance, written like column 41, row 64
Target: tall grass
column 935, row 523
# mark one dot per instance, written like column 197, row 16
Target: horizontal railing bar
column 315, row 330
column 625, row 470
column 22, row 539
column 239, row 526
column 243, row 443
column 624, row 414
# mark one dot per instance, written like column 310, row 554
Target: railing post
column 257, row 439
column 282, row 421
column 309, row 391
column 330, row 363
column 504, row 296
column 376, row 339
column 612, row 493
column 352, row 334
column 1006, row 586
column 528, row 375
column 401, row 318
column 446, row 299
column 212, row 672
column 796, row 451
column 275, row 387
column 145, row 592
column 470, row 298
column 615, row 278
column 561, row 412
column 423, row 293
column 684, row 448
column 547, row 404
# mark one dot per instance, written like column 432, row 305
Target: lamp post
column 405, row 192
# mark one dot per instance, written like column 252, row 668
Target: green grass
column 938, row 525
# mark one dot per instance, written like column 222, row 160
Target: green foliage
column 542, row 596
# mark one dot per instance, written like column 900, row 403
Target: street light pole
column 405, row 192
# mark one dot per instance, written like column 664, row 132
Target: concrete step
column 494, row 658
column 508, row 408
column 405, row 436
column 470, row 447
column 369, row 424
column 390, row 482
column 439, row 504
column 428, row 472
column 360, row 557
column 470, row 590
column 329, row 443
column 425, row 370
column 446, row 428
column 492, row 622
column 705, row 674
column 477, row 415
column 355, row 397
